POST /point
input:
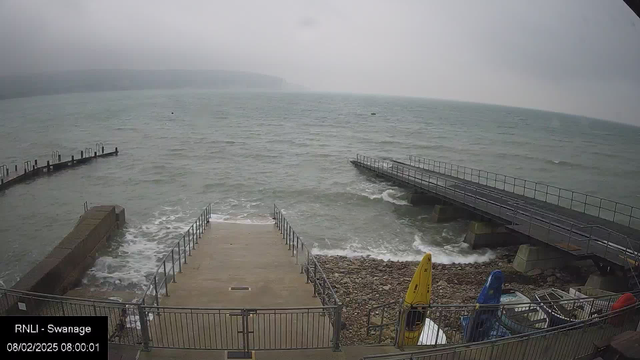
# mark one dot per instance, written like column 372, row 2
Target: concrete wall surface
column 66, row 264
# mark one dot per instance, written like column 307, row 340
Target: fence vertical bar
column 155, row 288
column 179, row 259
column 337, row 322
column 144, row 328
column 166, row 284
column 173, row 265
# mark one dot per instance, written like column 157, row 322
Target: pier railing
column 310, row 267
column 569, row 341
column 465, row 323
column 173, row 260
column 10, row 176
column 558, row 231
column 589, row 204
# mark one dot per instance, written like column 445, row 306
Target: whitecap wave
column 255, row 220
column 389, row 196
column 138, row 252
column 456, row 253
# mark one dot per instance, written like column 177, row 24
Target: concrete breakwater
column 12, row 176
column 64, row 267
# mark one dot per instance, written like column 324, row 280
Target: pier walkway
column 585, row 234
column 240, row 287
column 10, row 175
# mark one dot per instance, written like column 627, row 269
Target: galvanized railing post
column 144, row 328
column 307, row 267
column 293, row 247
column 337, row 324
column 173, row 265
column 184, row 244
column 155, row 288
column 166, row 284
column 179, row 258
column 315, row 278
column 188, row 242
column 301, row 265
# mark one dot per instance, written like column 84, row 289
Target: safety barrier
column 178, row 255
column 569, row 341
column 554, row 230
column 313, row 271
column 589, row 204
column 458, row 324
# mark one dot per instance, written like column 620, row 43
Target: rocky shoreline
column 363, row 282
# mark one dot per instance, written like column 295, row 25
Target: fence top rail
column 310, row 253
column 532, row 181
column 43, row 296
column 572, row 226
column 542, row 332
column 260, row 309
column 167, row 255
column 398, row 303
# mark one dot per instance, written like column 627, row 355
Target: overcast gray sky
column 575, row 56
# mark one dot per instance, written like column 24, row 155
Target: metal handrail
column 189, row 240
column 441, row 314
column 376, row 164
column 43, row 296
column 295, row 243
column 455, row 170
column 311, row 268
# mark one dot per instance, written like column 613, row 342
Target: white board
column 430, row 333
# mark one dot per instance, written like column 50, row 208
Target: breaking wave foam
column 458, row 253
column 389, row 196
column 257, row 220
column 136, row 255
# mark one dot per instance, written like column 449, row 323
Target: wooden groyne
column 31, row 170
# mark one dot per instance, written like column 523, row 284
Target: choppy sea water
column 243, row 151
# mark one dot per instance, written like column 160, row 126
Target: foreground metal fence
column 458, row 324
column 589, row 204
column 570, row 341
column 124, row 318
column 241, row 328
column 559, row 231
column 178, row 255
column 313, row 271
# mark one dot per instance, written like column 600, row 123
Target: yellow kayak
column 419, row 293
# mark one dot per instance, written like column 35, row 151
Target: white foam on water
column 457, row 253
column 389, row 195
column 242, row 219
column 139, row 251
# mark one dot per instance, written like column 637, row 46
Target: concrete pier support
column 444, row 213
column 422, row 199
column 541, row 257
column 486, row 234
column 609, row 282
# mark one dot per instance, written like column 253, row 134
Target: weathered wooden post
column 48, row 166
column 95, row 154
column 72, row 159
column 59, row 157
column 103, row 149
column 116, row 150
